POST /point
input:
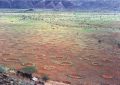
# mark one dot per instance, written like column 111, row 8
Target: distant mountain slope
column 35, row 3
column 113, row 5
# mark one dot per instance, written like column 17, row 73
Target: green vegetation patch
column 29, row 69
column 3, row 69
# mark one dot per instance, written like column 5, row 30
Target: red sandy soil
column 71, row 57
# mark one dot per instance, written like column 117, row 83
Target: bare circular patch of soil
column 76, row 76
column 46, row 67
column 17, row 60
column 66, row 63
column 107, row 76
column 27, row 64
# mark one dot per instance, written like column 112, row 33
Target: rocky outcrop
column 6, row 79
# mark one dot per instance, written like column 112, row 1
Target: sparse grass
column 44, row 20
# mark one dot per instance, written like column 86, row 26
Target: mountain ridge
column 113, row 5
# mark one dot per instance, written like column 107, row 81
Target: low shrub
column 45, row 78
